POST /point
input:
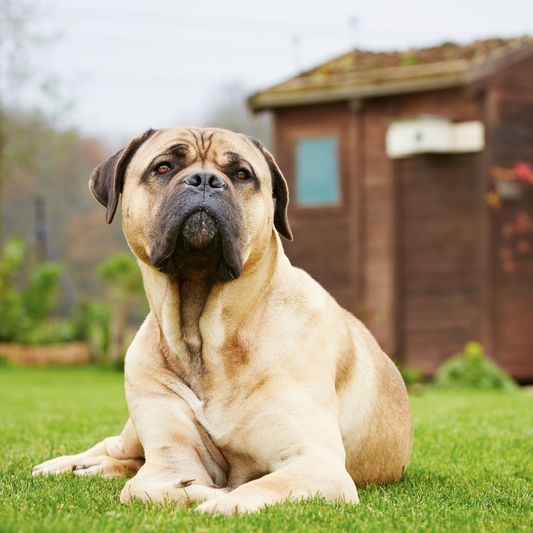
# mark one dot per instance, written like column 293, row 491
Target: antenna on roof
column 353, row 23
column 295, row 39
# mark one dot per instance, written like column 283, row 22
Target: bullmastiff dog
column 247, row 384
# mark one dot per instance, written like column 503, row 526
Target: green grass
column 471, row 468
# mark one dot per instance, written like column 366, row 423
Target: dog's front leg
column 114, row 456
column 179, row 462
column 305, row 477
column 296, row 439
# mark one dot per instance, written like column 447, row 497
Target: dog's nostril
column 195, row 180
column 215, row 182
column 205, row 179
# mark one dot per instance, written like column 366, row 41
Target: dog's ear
column 280, row 191
column 107, row 179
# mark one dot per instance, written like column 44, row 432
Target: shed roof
column 361, row 73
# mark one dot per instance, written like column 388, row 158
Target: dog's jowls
column 247, row 384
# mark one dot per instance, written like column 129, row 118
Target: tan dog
column 247, row 384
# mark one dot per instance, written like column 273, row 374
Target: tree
column 17, row 72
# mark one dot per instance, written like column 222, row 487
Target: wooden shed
column 430, row 244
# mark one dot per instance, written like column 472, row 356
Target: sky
column 127, row 65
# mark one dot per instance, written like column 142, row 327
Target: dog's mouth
column 199, row 243
column 199, row 231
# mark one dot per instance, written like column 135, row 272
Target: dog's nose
column 205, row 179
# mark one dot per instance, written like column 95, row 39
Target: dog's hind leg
column 114, row 456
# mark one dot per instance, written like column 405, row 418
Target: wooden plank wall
column 352, row 249
column 322, row 243
column 395, row 320
column 438, row 241
column 378, row 310
column 438, row 227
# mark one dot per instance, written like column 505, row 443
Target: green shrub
column 39, row 297
column 50, row 331
column 12, row 316
column 92, row 320
column 472, row 370
column 125, row 293
column 25, row 315
column 122, row 272
column 412, row 375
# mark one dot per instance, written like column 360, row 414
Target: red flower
column 524, row 171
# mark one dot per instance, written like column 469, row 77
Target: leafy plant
column 472, row 370
column 49, row 332
column 38, row 298
column 122, row 272
column 92, row 322
column 125, row 288
column 11, row 312
column 25, row 315
column 412, row 375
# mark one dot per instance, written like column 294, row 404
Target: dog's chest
column 223, row 421
column 231, row 420
column 232, row 431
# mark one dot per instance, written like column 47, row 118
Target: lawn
column 471, row 468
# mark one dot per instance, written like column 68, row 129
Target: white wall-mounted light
column 433, row 134
column 509, row 190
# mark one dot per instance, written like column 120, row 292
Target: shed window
column 317, row 172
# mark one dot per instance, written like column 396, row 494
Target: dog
column 247, row 384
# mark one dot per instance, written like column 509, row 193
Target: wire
column 214, row 49
column 205, row 21
column 171, row 85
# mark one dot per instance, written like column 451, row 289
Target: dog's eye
column 242, row 174
column 162, row 169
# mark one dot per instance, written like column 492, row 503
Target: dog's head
column 194, row 198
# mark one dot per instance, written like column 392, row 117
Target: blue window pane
column 317, row 172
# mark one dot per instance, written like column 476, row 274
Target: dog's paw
column 184, row 491
column 64, row 463
column 228, row 505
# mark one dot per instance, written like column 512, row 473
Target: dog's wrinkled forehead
column 199, row 145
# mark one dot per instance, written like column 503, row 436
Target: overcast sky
column 127, row 65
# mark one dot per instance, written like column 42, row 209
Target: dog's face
column 194, row 199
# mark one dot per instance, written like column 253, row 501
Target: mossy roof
column 361, row 73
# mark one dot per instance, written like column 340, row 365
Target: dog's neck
column 194, row 289
column 198, row 316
